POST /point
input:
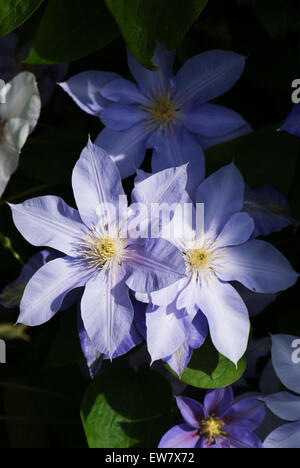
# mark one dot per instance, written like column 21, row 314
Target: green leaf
column 209, row 369
column 13, row 13
column 265, row 157
column 123, row 409
column 70, row 30
column 278, row 17
column 143, row 23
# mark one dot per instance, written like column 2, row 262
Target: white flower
column 18, row 118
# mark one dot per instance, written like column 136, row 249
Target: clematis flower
column 216, row 424
column 101, row 254
column 285, row 405
column 12, row 55
column 168, row 113
column 292, row 122
column 18, row 117
column 269, row 209
column 216, row 255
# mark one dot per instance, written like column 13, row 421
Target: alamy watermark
column 141, row 220
column 3, row 91
column 296, row 353
column 2, row 352
column 296, row 92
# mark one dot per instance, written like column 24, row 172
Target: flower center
column 211, row 429
column 202, row 260
column 162, row 111
column 101, row 251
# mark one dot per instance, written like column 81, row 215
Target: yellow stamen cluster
column 102, row 251
column 211, row 429
column 163, row 110
column 203, row 257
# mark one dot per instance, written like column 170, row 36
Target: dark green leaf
column 276, row 16
column 124, row 409
column 142, row 23
column 209, row 369
column 265, row 156
column 13, row 13
column 72, row 29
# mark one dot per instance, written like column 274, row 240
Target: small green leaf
column 123, row 409
column 209, row 369
column 13, row 13
column 143, row 23
column 70, row 30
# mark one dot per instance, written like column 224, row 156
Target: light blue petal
column 96, row 182
column 127, row 148
column 49, row 221
column 286, row 436
column 208, row 75
column 123, row 91
column 236, row 231
column 44, row 294
column 285, row 405
column 227, row 317
column 222, row 194
column 212, row 120
column 120, row 117
column 259, row 266
column 177, row 148
column 85, row 90
column 106, row 310
column 286, row 360
column 154, row 82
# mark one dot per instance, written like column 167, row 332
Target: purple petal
column 242, row 438
column 218, row 401
column 269, row 209
column 208, row 142
column 123, row 91
column 259, row 266
column 212, row 120
column 106, row 310
column 154, row 264
column 285, row 359
column 48, row 221
column 191, row 410
column 85, row 90
column 96, row 183
column 181, row 436
column 208, row 75
column 292, row 123
column 44, row 294
column 227, row 317
column 285, row 405
column 236, row 231
column 149, row 81
column 175, row 149
column 248, row 414
column 120, row 117
column 222, row 194
column 286, row 436
column 127, row 148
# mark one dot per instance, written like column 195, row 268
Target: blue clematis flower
column 292, row 122
column 168, row 113
column 221, row 253
column 217, row 424
column 286, row 363
column 101, row 254
column 269, row 209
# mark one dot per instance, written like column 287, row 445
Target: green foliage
column 70, row 30
column 13, row 13
column 209, row 369
column 143, row 23
column 123, row 409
